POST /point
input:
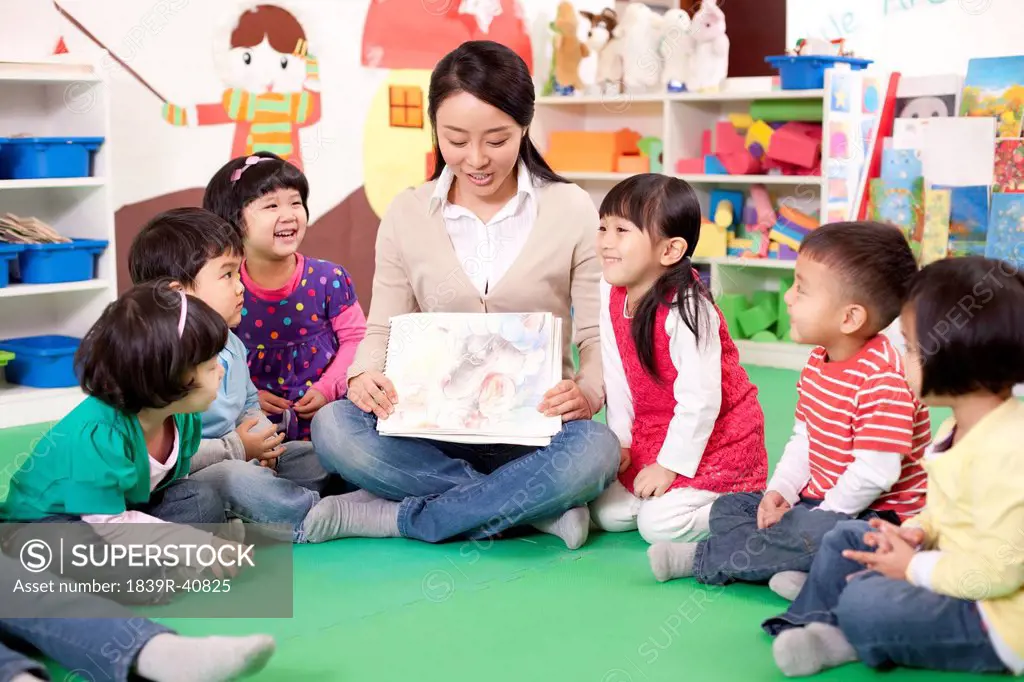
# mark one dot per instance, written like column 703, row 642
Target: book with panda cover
column 473, row 377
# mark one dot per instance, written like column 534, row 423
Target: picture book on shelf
column 1005, row 239
column 473, row 377
column 994, row 87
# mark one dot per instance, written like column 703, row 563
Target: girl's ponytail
column 681, row 283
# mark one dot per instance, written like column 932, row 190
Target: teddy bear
column 603, row 42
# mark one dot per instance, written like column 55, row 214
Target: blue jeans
column 888, row 622
column 737, row 550
column 280, row 499
column 100, row 647
column 186, row 501
column 450, row 490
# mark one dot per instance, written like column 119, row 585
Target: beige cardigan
column 417, row 271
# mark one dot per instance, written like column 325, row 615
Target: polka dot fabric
column 290, row 341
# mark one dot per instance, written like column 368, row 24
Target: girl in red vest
column 685, row 412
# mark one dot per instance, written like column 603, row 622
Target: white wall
column 915, row 37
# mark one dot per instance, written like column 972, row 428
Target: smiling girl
column 301, row 321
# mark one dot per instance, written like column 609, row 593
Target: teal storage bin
column 8, row 254
column 73, row 261
column 42, row 361
column 24, row 158
column 807, row 72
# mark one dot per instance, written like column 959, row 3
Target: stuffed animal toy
column 676, row 50
column 568, row 52
column 602, row 41
column 641, row 30
column 710, row 64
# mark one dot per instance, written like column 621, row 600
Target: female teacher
column 494, row 230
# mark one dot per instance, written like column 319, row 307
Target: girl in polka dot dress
column 301, row 322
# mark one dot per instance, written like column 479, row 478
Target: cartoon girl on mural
column 273, row 86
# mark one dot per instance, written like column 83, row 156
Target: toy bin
column 8, row 253
column 72, row 261
column 23, row 158
column 807, row 72
column 42, row 361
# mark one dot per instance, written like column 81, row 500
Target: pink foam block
column 705, row 143
column 727, row 140
column 795, row 148
column 740, row 162
column 690, row 166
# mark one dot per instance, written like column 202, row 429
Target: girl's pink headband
column 251, row 161
column 184, row 313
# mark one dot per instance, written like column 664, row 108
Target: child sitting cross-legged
column 946, row 590
column 859, row 432
column 261, row 477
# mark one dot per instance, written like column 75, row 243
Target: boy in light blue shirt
column 261, row 478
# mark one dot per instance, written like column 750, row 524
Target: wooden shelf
column 52, row 183
column 14, row 290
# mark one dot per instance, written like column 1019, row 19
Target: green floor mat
column 516, row 609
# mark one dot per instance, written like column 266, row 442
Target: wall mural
column 267, row 65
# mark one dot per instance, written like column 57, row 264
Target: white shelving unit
column 679, row 120
column 44, row 102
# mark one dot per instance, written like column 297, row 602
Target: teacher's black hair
column 495, row 74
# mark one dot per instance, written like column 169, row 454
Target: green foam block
column 786, row 110
column 758, row 319
column 764, row 337
column 782, row 327
column 731, row 306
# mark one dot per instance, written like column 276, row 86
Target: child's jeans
column 738, row 550
column 279, row 498
column 90, row 636
column 888, row 622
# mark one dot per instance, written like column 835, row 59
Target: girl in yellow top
column 946, row 590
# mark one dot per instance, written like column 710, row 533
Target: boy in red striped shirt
column 859, row 435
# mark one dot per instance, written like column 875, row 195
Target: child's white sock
column 787, row 584
column 173, row 658
column 671, row 560
column 800, row 652
column 26, row 677
column 351, row 516
column 573, row 527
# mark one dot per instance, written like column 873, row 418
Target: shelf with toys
column 752, row 148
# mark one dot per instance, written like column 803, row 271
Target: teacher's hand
column 373, row 392
column 567, row 401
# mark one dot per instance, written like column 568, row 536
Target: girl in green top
column 149, row 368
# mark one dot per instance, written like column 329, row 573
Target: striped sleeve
column 239, row 105
column 885, row 414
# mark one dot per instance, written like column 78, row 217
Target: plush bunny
column 640, row 30
column 710, row 64
column 602, row 41
column 569, row 51
column 676, row 50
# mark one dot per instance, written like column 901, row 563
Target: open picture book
column 473, row 377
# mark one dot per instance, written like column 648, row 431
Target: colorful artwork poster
column 1005, row 239
column 994, row 87
column 901, row 168
column 968, row 220
column 935, row 239
column 1009, row 168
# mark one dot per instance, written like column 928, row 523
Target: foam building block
column 787, row 110
column 796, row 144
column 590, row 151
column 725, row 207
column 727, row 140
column 731, row 306
column 740, row 162
column 741, row 122
column 705, row 143
column 757, row 318
column 782, row 325
column 791, row 227
column 762, row 202
column 713, row 240
column 764, row 337
column 767, row 298
column 712, row 166
column 761, row 133
column 633, row 163
column 686, row 166
column 652, row 148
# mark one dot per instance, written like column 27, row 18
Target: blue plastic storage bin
column 8, row 253
column 23, row 158
column 42, row 361
column 807, row 72
column 74, row 261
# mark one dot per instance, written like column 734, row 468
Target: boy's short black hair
column 227, row 198
column 132, row 357
column 874, row 262
column 176, row 244
column 969, row 322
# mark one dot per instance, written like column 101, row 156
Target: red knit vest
column 735, row 459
